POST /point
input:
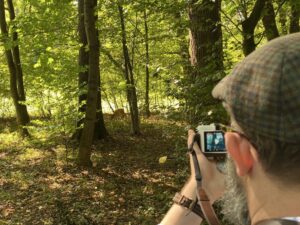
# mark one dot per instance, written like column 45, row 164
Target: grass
column 40, row 182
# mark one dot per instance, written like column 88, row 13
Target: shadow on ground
column 41, row 184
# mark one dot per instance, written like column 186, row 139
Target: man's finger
column 190, row 139
column 201, row 157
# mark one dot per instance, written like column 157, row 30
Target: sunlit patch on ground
column 41, row 184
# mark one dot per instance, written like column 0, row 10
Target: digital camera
column 212, row 141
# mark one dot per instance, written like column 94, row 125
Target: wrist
column 189, row 204
column 189, row 189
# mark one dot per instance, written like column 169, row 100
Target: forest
column 96, row 97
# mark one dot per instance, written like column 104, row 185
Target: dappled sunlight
column 18, row 181
column 96, row 98
column 31, row 154
column 126, row 182
column 9, row 139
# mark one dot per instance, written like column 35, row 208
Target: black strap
column 197, row 167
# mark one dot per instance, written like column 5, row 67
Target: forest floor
column 40, row 182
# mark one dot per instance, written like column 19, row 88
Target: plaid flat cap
column 263, row 91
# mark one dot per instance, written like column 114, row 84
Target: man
column 262, row 184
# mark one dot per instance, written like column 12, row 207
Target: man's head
column 263, row 99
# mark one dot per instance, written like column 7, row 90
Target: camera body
column 212, row 141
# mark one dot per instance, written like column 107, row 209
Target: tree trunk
column 100, row 131
column 15, row 70
column 107, row 99
column 130, row 89
column 147, row 104
column 295, row 16
column 115, row 99
column 18, row 66
column 205, row 35
column 83, row 62
column 92, row 94
column 248, row 26
column 269, row 21
column 181, row 31
column 282, row 13
column 206, row 56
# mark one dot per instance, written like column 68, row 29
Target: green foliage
column 40, row 182
column 49, row 49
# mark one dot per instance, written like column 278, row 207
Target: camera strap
column 207, row 209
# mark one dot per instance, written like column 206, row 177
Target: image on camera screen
column 214, row 141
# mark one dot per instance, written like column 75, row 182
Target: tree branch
column 255, row 15
column 236, row 25
column 112, row 59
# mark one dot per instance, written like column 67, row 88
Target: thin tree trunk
column 269, row 21
column 147, row 104
column 181, row 32
column 248, row 26
column 16, row 57
column 295, row 16
column 83, row 61
column 92, row 95
column 130, row 89
column 100, row 129
column 114, row 98
column 121, row 100
column 108, row 102
column 283, row 20
column 15, row 70
column 133, row 45
column 18, row 66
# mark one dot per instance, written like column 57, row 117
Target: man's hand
column 213, row 181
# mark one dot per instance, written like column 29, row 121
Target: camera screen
column 214, row 142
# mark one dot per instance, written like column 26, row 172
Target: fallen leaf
column 162, row 159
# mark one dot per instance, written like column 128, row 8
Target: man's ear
column 239, row 150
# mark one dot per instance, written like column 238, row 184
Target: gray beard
column 234, row 201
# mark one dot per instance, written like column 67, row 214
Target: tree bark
column 282, row 13
column 93, row 87
column 147, row 104
column 130, row 89
column 295, row 16
column 15, row 69
column 248, row 26
column 100, row 131
column 181, row 31
column 83, row 63
column 205, row 34
column 269, row 21
column 206, row 56
column 107, row 99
